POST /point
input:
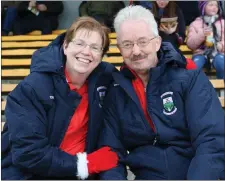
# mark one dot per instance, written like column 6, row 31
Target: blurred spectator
column 189, row 9
column 174, row 31
column 37, row 15
column 8, row 13
column 206, row 37
column 102, row 11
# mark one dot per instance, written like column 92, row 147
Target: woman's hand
column 219, row 47
column 168, row 29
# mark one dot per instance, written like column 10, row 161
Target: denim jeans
column 10, row 18
column 218, row 63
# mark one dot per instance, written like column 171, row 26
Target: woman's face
column 211, row 8
column 84, row 52
column 162, row 4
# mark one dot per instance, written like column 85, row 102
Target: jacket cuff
column 82, row 167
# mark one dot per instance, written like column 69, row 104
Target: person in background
column 206, row 37
column 9, row 13
column 104, row 12
column 163, row 119
column 37, row 15
column 54, row 116
column 172, row 32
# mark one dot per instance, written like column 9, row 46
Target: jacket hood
column 168, row 54
column 50, row 59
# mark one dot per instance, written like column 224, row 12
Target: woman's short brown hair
column 90, row 24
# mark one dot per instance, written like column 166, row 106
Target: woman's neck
column 77, row 79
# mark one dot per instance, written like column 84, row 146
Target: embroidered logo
column 168, row 104
column 51, row 97
column 101, row 91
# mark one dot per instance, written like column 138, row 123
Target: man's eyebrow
column 143, row 37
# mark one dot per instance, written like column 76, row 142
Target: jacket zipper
column 156, row 131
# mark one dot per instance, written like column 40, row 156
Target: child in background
column 206, row 37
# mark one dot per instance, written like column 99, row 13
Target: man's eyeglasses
column 80, row 44
column 142, row 42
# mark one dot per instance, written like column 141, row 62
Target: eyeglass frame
column 136, row 42
column 85, row 45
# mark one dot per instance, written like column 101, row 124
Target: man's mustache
column 138, row 57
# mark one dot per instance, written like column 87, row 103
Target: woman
column 54, row 115
column 174, row 32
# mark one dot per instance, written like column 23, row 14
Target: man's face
column 84, row 52
column 142, row 54
column 211, row 8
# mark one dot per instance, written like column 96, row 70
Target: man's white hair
column 136, row 13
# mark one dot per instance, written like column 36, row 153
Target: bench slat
column 16, row 62
column 28, row 38
column 25, row 44
column 15, row 73
column 8, row 87
column 218, row 84
column 36, row 35
column 18, row 52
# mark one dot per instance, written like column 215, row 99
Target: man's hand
column 42, row 7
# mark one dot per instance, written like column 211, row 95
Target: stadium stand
column 17, row 52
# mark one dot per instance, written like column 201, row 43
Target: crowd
column 76, row 117
column 205, row 35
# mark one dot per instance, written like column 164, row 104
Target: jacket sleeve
column 111, row 136
column 222, row 36
column 195, row 36
column 181, row 24
column 30, row 147
column 205, row 118
column 54, row 7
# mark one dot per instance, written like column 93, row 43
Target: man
column 164, row 121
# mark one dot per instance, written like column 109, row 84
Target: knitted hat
column 202, row 4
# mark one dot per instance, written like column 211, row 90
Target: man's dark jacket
column 187, row 115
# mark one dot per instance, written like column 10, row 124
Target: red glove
column 101, row 160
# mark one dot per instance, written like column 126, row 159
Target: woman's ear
column 65, row 46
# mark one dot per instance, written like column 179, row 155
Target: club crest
column 168, row 104
column 101, row 92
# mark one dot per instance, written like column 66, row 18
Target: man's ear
column 65, row 46
column 158, row 43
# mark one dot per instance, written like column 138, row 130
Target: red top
column 75, row 136
column 141, row 93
